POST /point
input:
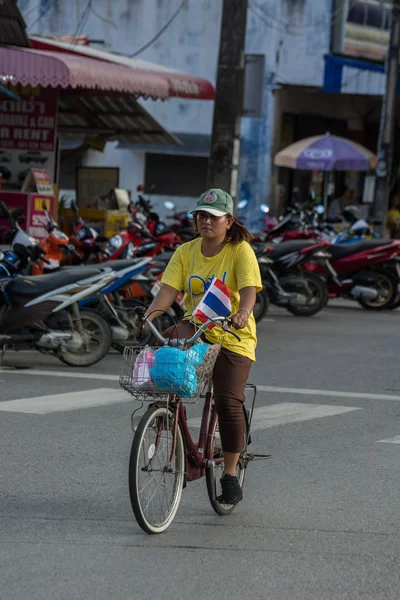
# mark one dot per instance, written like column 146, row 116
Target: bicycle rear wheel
column 213, row 475
column 155, row 483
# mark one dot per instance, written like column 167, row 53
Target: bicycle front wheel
column 214, row 475
column 155, row 481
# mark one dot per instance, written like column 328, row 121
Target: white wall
column 131, row 164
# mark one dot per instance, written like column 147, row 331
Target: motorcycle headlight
column 116, row 242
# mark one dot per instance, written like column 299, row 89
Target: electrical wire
column 162, row 30
column 31, row 10
column 104, row 19
column 82, row 22
column 41, row 14
column 299, row 30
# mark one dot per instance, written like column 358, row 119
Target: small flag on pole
column 215, row 303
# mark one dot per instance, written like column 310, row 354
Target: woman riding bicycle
column 220, row 249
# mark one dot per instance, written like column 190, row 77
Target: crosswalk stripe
column 42, row 405
column 268, row 389
column 288, row 412
column 264, row 417
column 393, row 440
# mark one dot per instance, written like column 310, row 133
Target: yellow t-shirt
column 236, row 265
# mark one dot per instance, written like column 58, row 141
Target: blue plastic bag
column 175, row 371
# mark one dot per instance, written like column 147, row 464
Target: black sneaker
column 231, row 490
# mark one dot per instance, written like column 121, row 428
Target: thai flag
column 216, row 302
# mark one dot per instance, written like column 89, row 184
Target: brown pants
column 231, row 372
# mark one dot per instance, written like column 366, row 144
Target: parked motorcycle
column 43, row 311
column 301, row 293
column 138, row 241
column 367, row 272
column 183, row 222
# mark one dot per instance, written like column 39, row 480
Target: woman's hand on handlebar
column 240, row 319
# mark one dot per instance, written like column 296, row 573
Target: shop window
column 175, row 175
column 369, row 14
column 357, row 13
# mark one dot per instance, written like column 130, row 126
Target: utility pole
column 225, row 147
column 387, row 125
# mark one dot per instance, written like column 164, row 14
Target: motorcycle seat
column 287, row 247
column 338, row 251
column 164, row 257
column 120, row 265
column 31, row 287
column 259, row 248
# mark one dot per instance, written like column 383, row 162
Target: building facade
column 295, row 37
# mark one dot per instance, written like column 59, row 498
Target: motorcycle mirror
column 74, row 208
column 264, row 208
column 242, row 204
column 5, row 210
column 320, row 209
column 21, row 251
column 169, row 205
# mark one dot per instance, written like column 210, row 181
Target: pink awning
column 179, row 84
column 56, row 69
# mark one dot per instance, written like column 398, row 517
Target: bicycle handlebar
column 222, row 321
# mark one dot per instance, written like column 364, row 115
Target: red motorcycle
column 288, row 230
column 138, row 241
column 367, row 271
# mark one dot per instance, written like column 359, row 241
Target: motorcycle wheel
column 100, row 336
column 163, row 322
column 386, row 284
column 316, row 299
column 261, row 306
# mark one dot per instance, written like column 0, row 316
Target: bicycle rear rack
column 249, row 416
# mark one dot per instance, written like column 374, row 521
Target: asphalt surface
column 319, row 521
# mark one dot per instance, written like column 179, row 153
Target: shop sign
column 38, row 180
column 37, row 219
column 27, row 134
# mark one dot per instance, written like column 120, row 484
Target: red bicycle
column 164, row 457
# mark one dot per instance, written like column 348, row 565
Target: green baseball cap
column 216, row 202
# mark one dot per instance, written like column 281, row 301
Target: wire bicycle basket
column 149, row 373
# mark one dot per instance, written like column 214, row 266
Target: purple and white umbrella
column 326, row 153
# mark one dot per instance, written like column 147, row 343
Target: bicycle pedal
column 251, row 457
column 222, row 501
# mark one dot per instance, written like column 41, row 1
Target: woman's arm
column 246, row 305
column 162, row 302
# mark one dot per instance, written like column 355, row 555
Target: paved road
column 320, row 521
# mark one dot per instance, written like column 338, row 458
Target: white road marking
column 42, row 405
column 288, row 412
column 393, row 440
column 260, row 388
column 327, row 393
column 66, row 374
